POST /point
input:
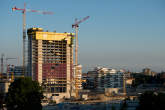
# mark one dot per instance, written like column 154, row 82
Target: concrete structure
column 111, row 91
column 50, row 60
column 91, row 80
column 109, row 78
column 101, row 78
column 149, row 72
column 4, row 86
column 79, row 77
column 15, row 71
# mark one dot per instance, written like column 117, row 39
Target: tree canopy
column 141, row 78
column 151, row 101
column 24, row 94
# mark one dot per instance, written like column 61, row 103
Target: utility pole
column 76, row 26
column 24, row 10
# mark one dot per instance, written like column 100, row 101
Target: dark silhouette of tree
column 24, row 94
column 1, row 100
column 124, row 105
column 113, row 107
column 151, row 101
column 145, row 79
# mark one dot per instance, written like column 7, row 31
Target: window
column 52, row 67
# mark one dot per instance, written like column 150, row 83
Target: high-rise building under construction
column 50, row 60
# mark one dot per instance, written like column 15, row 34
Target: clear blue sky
column 120, row 33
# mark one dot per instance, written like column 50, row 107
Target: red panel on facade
column 36, row 71
column 53, row 70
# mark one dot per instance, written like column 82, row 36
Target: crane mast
column 24, row 37
column 77, row 80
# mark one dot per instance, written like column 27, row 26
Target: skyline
column 119, row 34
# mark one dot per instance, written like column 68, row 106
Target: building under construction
column 50, row 60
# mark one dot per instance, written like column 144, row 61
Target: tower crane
column 24, row 10
column 76, row 26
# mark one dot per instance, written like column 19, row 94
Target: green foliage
column 113, row 107
column 140, row 78
column 1, row 100
column 124, row 106
column 151, row 101
column 24, row 94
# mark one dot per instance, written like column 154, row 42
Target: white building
column 102, row 78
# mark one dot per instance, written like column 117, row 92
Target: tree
column 113, row 107
column 141, row 78
column 1, row 100
column 24, row 94
column 151, row 101
column 124, row 105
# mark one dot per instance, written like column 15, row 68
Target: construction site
column 52, row 60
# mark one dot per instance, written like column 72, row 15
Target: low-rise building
column 16, row 71
column 101, row 78
column 4, row 86
column 149, row 72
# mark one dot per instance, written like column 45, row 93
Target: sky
column 127, row 34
